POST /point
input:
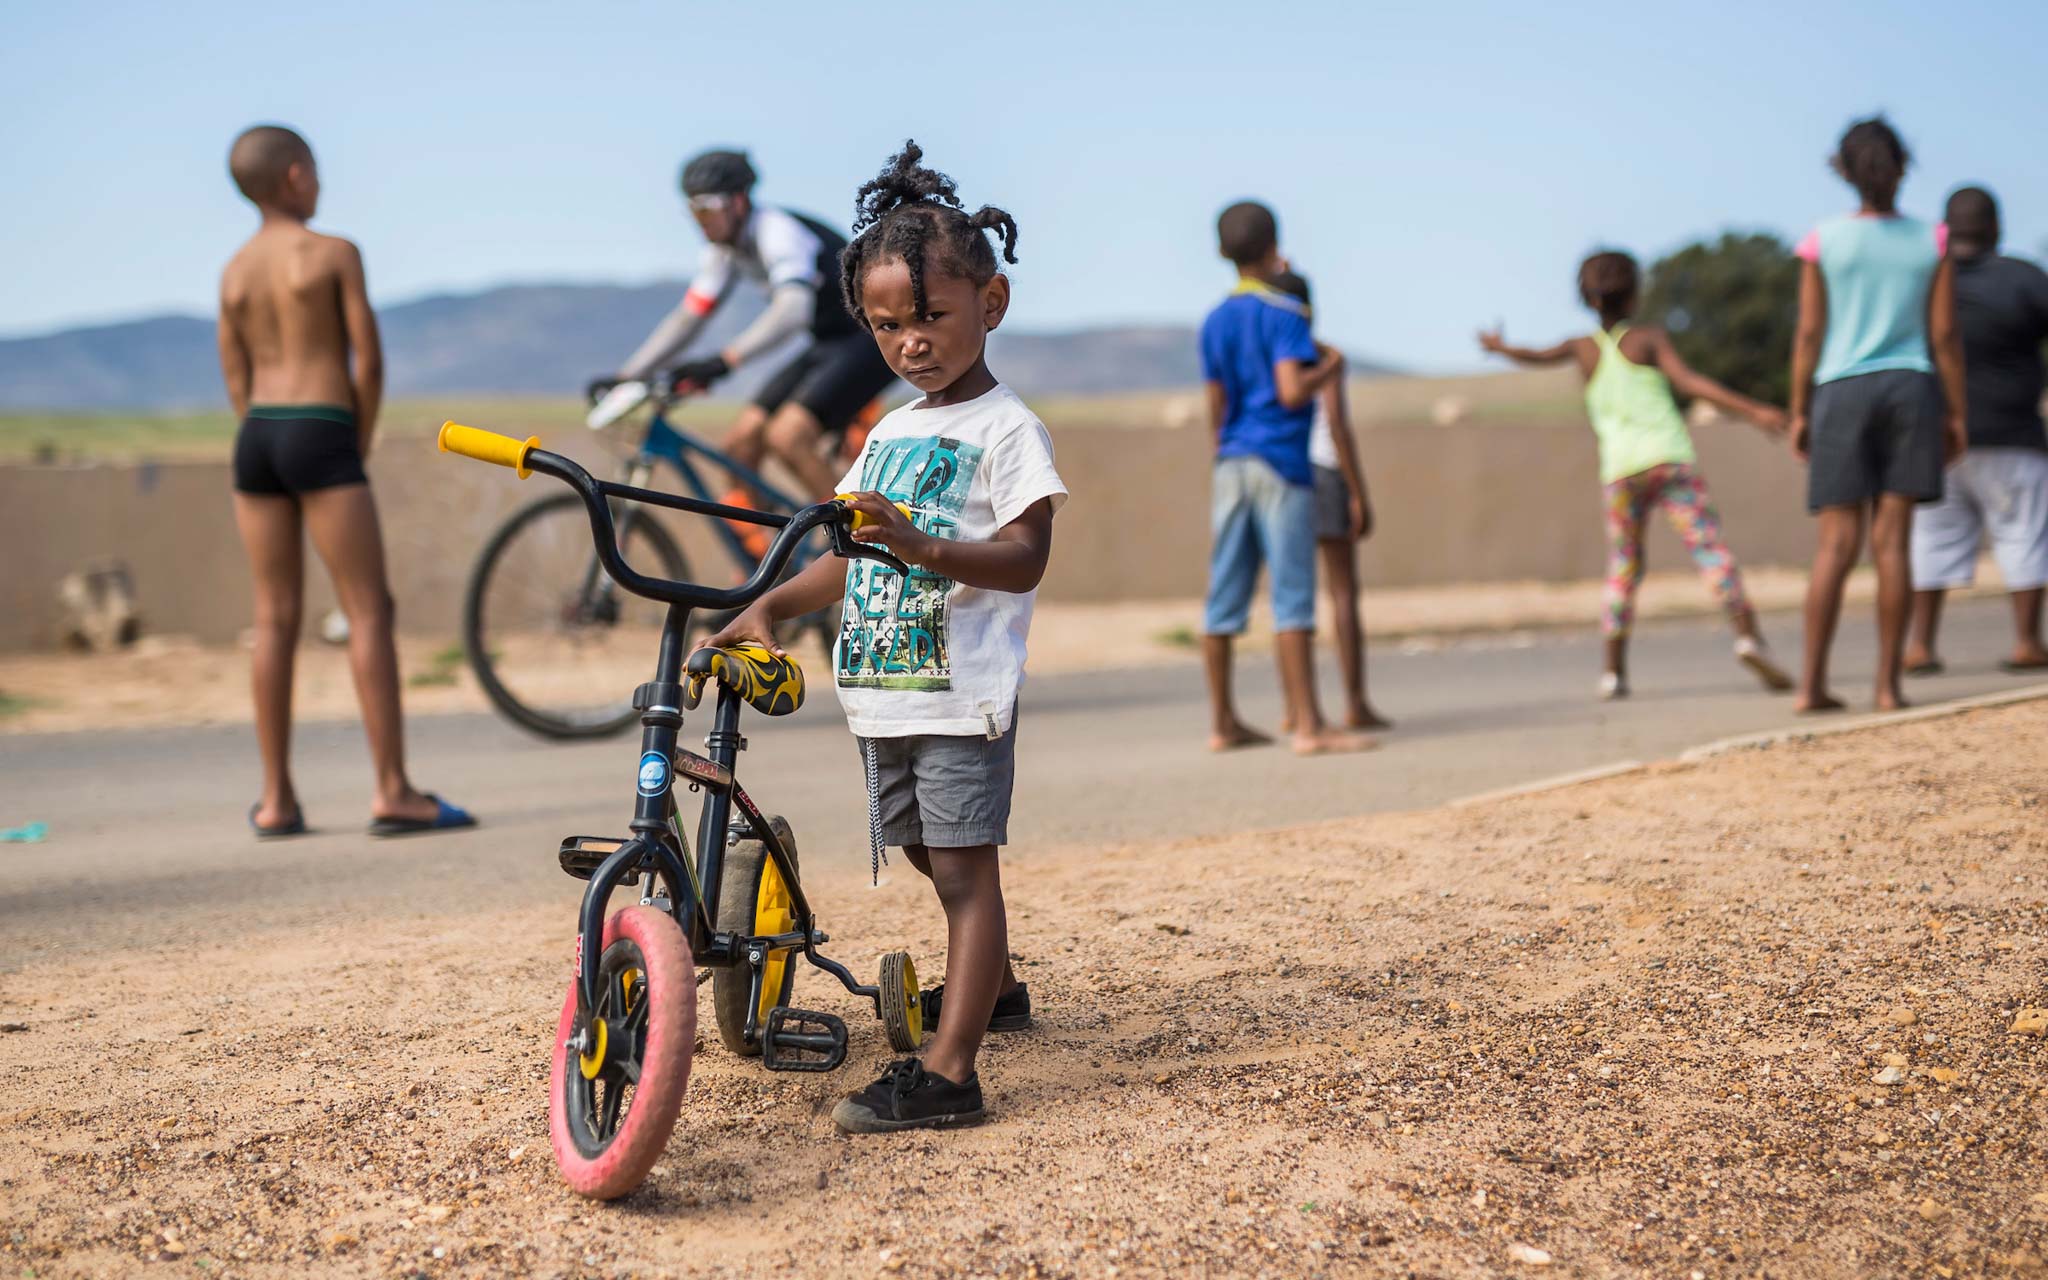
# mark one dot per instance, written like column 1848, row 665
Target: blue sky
column 1436, row 166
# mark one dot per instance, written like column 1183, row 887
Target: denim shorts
column 943, row 790
column 1257, row 516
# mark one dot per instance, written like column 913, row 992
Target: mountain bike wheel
column 752, row 899
column 556, row 645
column 611, row 1107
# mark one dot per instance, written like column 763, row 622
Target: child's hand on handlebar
column 886, row 526
column 755, row 623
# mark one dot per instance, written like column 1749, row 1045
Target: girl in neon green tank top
column 1647, row 459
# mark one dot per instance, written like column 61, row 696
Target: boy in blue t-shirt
column 1263, row 372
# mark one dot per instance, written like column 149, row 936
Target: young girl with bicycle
column 960, row 485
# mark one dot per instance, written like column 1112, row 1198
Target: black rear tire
column 605, row 708
column 739, row 895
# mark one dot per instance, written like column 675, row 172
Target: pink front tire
column 609, row 1131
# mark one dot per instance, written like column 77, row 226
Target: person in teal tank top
column 1647, row 458
column 1869, row 418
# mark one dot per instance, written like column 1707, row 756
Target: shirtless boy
column 293, row 311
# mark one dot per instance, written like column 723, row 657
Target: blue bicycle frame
column 664, row 443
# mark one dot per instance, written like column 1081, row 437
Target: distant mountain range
column 540, row 339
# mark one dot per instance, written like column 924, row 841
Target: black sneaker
column 1012, row 1011
column 909, row 1097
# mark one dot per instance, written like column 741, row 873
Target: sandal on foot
column 446, row 818
column 295, row 827
column 1752, row 654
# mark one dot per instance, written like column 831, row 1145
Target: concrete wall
column 1454, row 504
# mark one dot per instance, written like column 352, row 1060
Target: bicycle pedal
column 581, row 856
column 801, row 1040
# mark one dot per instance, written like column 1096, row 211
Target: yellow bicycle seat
column 772, row 686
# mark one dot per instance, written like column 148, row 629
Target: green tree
column 1731, row 306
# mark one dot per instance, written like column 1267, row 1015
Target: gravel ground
column 1749, row 1017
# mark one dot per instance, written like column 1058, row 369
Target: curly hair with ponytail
column 913, row 215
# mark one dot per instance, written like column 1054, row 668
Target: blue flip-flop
column 296, row 827
column 446, row 817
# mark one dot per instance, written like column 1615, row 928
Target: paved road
column 148, row 846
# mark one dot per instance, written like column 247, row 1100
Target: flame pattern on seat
column 771, row 685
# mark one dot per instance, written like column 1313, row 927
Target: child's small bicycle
column 628, row 1026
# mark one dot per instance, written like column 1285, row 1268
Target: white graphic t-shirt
column 926, row 654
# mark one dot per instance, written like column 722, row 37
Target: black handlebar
column 835, row 515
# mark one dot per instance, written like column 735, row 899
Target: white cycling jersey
column 794, row 258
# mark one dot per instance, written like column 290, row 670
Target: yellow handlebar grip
column 488, row 446
column 860, row 517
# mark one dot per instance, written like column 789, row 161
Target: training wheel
column 902, row 1009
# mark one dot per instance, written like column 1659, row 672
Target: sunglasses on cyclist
column 709, row 204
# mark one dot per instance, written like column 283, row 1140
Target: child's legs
column 344, row 529
column 1627, row 502
column 1233, row 572
column 1340, row 575
column 970, row 888
column 1944, row 556
column 1891, row 533
column 1685, row 500
column 270, row 529
column 960, row 814
column 1285, row 519
column 1840, row 537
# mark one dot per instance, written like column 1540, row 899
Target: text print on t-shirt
column 893, row 634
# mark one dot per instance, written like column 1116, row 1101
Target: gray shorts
column 1875, row 433
column 1999, row 494
column 945, row 791
column 1333, row 506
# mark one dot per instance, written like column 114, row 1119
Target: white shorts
column 1999, row 492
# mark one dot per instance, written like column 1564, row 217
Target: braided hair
column 911, row 214
column 1872, row 159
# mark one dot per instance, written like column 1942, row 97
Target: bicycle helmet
column 718, row 173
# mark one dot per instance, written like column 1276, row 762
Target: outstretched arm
column 1688, row 381
column 1813, row 328
column 366, row 348
column 1946, row 339
column 1538, row 357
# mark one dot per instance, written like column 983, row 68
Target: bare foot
column 1816, row 703
column 2025, row 660
column 1330, row 742
column 1238, row 735
column 1890, row 700
column 1366, row 718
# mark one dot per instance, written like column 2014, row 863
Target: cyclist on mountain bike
column 796, row 258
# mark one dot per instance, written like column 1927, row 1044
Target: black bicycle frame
column 693, row 899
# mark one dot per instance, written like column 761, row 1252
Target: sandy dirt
column 1656, row 1025
column 171, row 680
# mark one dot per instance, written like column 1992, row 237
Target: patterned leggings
column 1680, row 489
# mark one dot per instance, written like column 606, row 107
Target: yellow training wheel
column 902, row 1003
column 774, row 913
